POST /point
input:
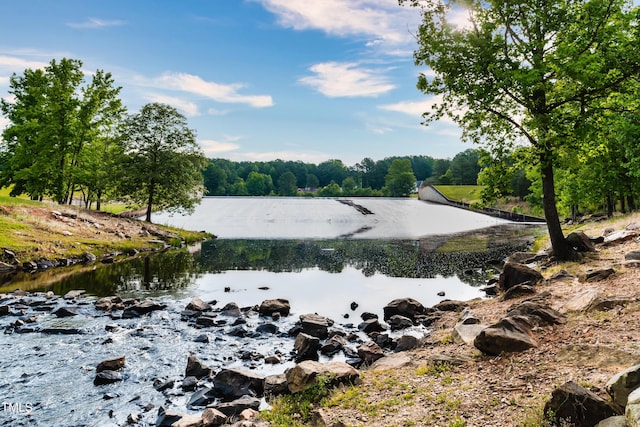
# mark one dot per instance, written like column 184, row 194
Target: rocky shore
column 553, row 344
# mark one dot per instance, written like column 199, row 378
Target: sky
column 258, row 80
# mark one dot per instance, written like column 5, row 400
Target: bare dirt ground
column 510, row 389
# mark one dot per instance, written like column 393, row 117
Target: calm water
column 321, row 254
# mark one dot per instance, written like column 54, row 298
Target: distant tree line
column 391, row 176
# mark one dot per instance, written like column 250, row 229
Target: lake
column 320, row 254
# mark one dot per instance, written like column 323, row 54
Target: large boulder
column 538, row 314
column 622, row 384
column 272, row 306
column 197, row 304
column 508, row 335
column 306, row 347
column 516, row 274
column 581, row 242
column 315, row 325
column 235, row 383
column 407, row 307
column 369, row 352
column 235, row 407
column 572, row 404
column 111, row 364
column 142, row 308
column 632, row 412
column 306, row 374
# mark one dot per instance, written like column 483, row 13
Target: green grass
column 461, row 193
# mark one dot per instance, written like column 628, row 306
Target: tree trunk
column 150, row 201
column 560, row 247
column 609, row 206
column 632, row 203
column 623, row 207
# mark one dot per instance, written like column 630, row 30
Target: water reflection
column 466, row 256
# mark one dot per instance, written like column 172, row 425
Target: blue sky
column 257, row 79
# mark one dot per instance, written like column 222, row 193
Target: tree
column 259, row 184
column 162, row 164
column 287, row 184
column 526, row 70
column 400, row 180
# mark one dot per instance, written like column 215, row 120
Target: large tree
column 162, row 163
column 527, row 71
column 400, row 180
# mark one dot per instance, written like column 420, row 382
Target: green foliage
column 161, row 164
column 521, row 71
column 287, row 184
column 400, row 180
column 296, row 409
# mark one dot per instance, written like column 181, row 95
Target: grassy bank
column 35, row 230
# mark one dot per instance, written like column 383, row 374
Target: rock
column 306, row 347
column 271, row 306
column 632, row 256
column 188, row 421
column 189, row 384
column 450, row 305
column 160, row 385
column 235, row 383
column 466, row 334
column 167, row 418
column 632, row 412
column 200, row 398
column 573, row 404
column 275, row 385
column 620, row 236
column 315, row 325
column 141, row 308
column 622, row 384
column 407, row 307
column 369, row 352
column 197, row 304
column 4, row 310
column 467, row 317
column 231, row 310
column 394, row 361
column 537, row 313
column 515, row 274
column 111, row 364
column 518, row 291
column 267, row 328
column 235, row 407
column 107, row 377
column 66, row 312
column 617, row 421
column 305, row 374
column 372, row 325
column 7, row 268
column 510, row 334
column 580, row 241
column 333, row 345
column 407, row 342
column 195, row 368
column 212, row 417
column 595, row 275
column 272, row 360
column 583, row 299
column 397, row 322
column 202, row 338
column 75, row 294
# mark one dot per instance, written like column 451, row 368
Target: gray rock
column 275, row 385
column 333, row 345
column 372, row 325
column 394, row 361
column 306, row 347
column 407, row 307
column 213, row 417
column 515, row 274
column 508, row 335
column 369, row 352
column 195, row 368
column 197, row 304
column 622, row 384
column 518, row 291
column 397, row 322
column 107, row 377
column 580, row 241
column 574, row 404
column 66, row 312
column 596, row 275
column 74, row 294
column 450, row 305
column 315, row 325
column 235, row 407
column 111, row 364
column 467, row 334
column 617, row 421
column 167, row 418
column 271, row 306
column 306, row 374
column 632, row 412
column 536, row 313
column 200, row 398
column 235, row 383
column 407, row 342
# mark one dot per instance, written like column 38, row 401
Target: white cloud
column 413, row 108
column 225, row 93
column 346, row 79
column 189, row 109
column 15, row 64
column 382, row 21
column 94, row 23
column 212, row 148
